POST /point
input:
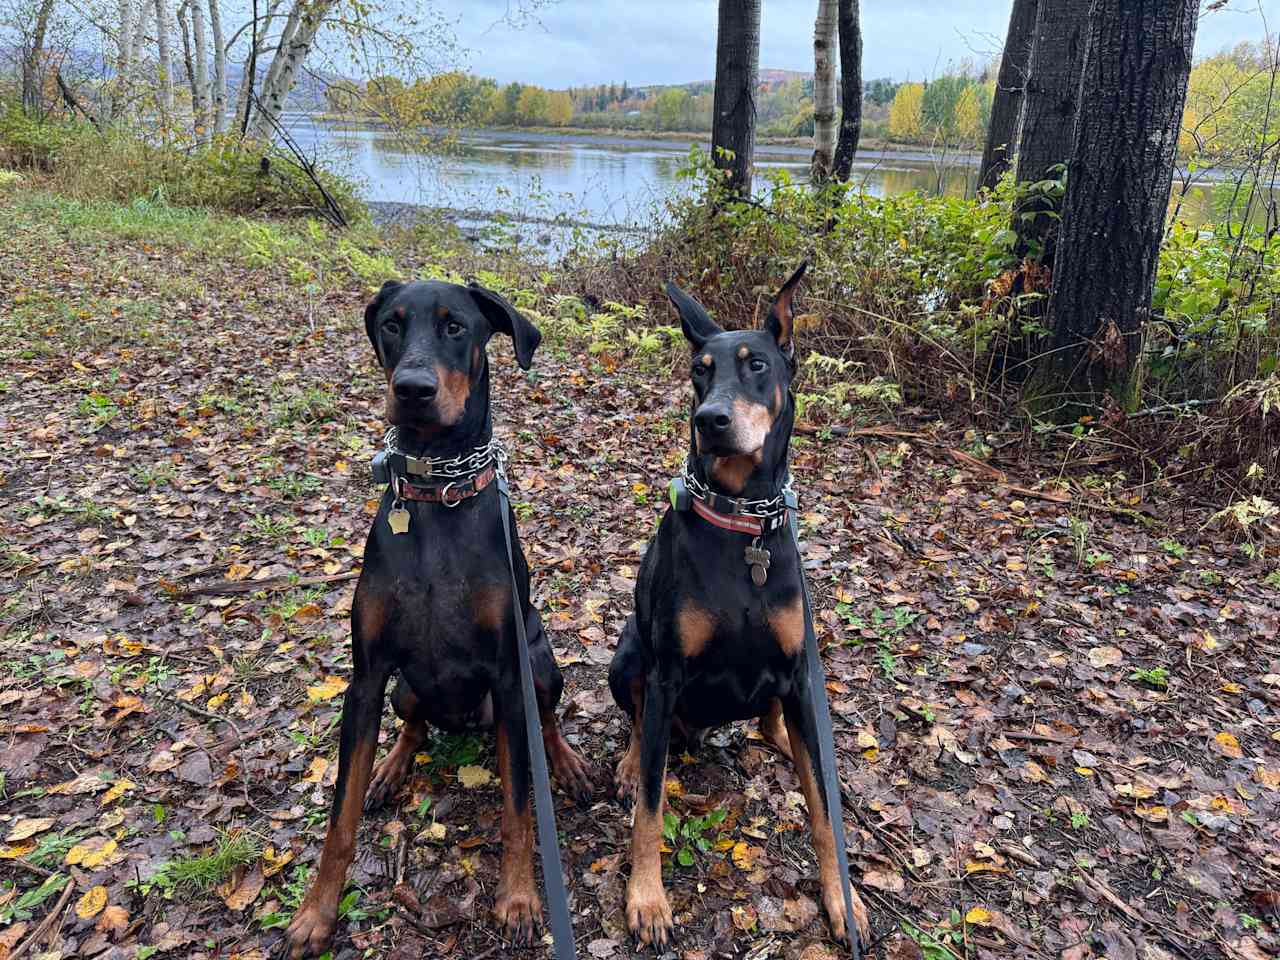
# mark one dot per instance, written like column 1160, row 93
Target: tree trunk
column 219, row 108
column 1049, row 117
column 733, row 125
column 1002, row 131
column 33, row 62
column 824, row 92
column 258, row 46
column 200, row 85
column 850, row 88
column 117, row 97
column 181, row 16
column 164, row 65
column 1132, row 96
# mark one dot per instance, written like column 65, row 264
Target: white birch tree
column 824, row 91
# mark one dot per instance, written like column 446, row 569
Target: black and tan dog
column 719, row 627
column 434, row 601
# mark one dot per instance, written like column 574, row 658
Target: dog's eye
column 391, row 328
column 758, row 365
column 454, row 329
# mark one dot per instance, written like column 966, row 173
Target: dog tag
column 757, row 559
column 398, row 520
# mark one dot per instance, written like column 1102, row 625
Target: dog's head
column 430, row 341
column 741, row 384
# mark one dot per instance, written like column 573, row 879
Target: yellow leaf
column 1267, row 777
column 114, row 919
column 979, row 916
column 315, row 773
column 8, row 852
column 91, row 903
column 308, row 613
column 272, row 864
column 745, row 856
column 472, row 777
column 674, row 787
column 91, row 854
column 1085, row 771
column 118, row 790
column 27, row 827
column 1228, row 745
column 239, row 571
column 327, row 689
column 217, row 700
column 1156, row 814
column 980, row 866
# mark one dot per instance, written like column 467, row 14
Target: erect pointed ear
column 389, row 290
column 697, row 323
column 781, row 319
column 504, row 318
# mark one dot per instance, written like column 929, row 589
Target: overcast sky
column 673, row 41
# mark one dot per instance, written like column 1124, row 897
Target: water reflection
column 604, row 180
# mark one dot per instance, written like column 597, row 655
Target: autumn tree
column 906, row 121
column 1006, row 106
column 733, row 125
column 1134, row 86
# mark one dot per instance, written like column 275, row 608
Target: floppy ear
column 697, row 323
column 504, row 318
column 781, row 319
column 389, row 290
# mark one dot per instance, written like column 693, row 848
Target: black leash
column 821, row 711
column 548, row 842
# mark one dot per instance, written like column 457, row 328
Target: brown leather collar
column 738, row 523
column 450, row 494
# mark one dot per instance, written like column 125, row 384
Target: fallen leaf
column 1227, row 745
column 327, row 689
column 28, row 827
column 114, row 920
column 472, row 777
column 240, row 895
column 1107, row 656
column 978, row 916
column 91, row 904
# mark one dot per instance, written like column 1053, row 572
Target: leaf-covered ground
column 1057, row 705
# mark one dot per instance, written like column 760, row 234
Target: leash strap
column 548, row 842
column 821, row 711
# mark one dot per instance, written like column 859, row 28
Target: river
column 609, row 182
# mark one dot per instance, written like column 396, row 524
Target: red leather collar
column 451, row 493
column 728, row 521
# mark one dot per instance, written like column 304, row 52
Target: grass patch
column 200, row 874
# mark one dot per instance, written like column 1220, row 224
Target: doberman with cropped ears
column 434, row 602
column 718, row 631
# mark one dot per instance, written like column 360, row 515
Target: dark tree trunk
column 850, row 30
column 1002, row 131
column 33, row 63
column 1132, row 95
column 1049, row 103
column 733, row 126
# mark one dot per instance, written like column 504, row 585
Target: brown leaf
column 239, row 895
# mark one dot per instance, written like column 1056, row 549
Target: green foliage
column 690, row 836
column 1157, row 677
column 202, row 873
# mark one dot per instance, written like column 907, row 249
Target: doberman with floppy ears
column 718, row 631
column 434, row 602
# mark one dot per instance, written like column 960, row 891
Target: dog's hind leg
column 803, row 738
column 516, row 903
column 774, row 729
column 391, row 770
column 626, row 680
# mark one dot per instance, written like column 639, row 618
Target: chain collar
column 452, row 468
column 757, row 509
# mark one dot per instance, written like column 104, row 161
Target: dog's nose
column 414, row 386
column 712, row 421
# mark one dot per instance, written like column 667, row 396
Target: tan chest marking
column 787, row 624
column 695, row 627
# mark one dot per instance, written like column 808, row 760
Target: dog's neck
column 475, row 429
column 746, row 476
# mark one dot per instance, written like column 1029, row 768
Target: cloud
column 575, row 42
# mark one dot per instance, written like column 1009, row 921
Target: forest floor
column 1057, row 695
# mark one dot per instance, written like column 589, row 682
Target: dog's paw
column 626, row 778
column 573, row 774
column 310, row 933
column 833, row 902
column 649, row 914
column 520, row 914
column 388, row 776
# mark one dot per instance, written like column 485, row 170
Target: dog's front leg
column 312, row 928
column 803, row 737
column 648, row 912
column 516, row 905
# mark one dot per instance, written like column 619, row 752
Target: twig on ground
column 47, row 922
column 253, row 586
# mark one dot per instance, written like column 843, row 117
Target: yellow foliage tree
column 905, row 121
column 559, row 108
column 968, row 117
column 533, row 107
